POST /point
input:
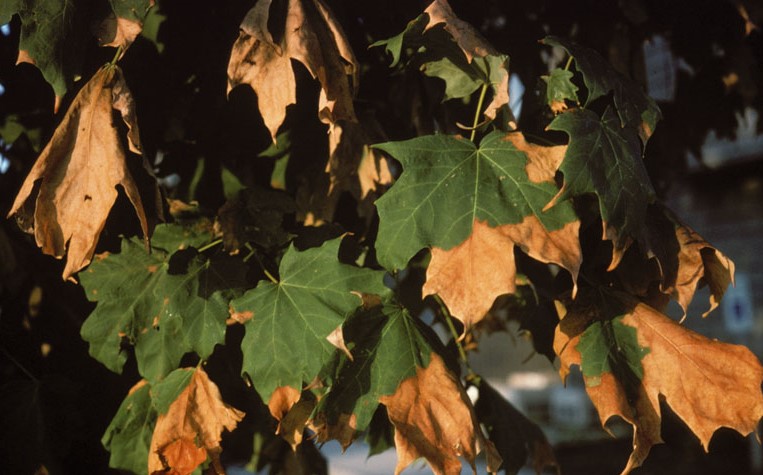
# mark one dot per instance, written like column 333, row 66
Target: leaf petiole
column 477, row 112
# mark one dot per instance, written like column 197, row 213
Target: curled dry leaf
column 78, row 172
column 292, row 412
column 707, row 383
column 124, row 23
column 699, row 263
column 197, row 415
column 471, row 275
column 434, row 419
column 312, row 37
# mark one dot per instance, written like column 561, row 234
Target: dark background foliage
column 55, row 401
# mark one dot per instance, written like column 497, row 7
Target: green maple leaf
column 446, row 184
column 634, row 108
column 285, row 343
column 164, row 304
column 166, row 391
column 559, row 86
column 605, row 158
column 128, row 437
column 610, row 346
column 437, row 54
column 387, row 345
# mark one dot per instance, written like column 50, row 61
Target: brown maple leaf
column 312, row 37
column 471, row 275
column 434, row 419
column 707, row 383
column 698, row 263
column 78, row 173
column 292, row 411
column 197, row 415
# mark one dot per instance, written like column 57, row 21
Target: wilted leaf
column 635, row 108
column 518, row 440
column 165, row 305
column 292, row 410
column 79, row 171
column 605, row 159
column 632, row 361
column 196, row 418
column 294, row 316
column 312, row 37
column 434, row 419
column 699, row 263
column 472, row 205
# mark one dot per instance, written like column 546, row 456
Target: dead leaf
column 434, row 419
column 292, row 411
column 336, row 338
column 699, row 263
column 471, row 275
column 343, row 430
column 707, row 383
column 199, row 415
column 185, row 457
column 78, row 172
column 312, row 37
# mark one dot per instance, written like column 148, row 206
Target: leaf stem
column 449, row 322
column 569, row 63
column 116, row 56
column 253, row 253
column 477, row 112
column 212, row 244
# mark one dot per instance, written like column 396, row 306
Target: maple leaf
column 293, row 317
column 454, row 51
column 471, row 206
column 164, row 304
column 605, row 158
column 292, row 411
column 387, row 347
column 639, row 357
column 559, row 88
column 128, row 436
column 516, row 438
column 78, row 172
column 124, row 24
column 195, row 420
column 434, row 419
column 312, row 37
column 635, row 109
column 698, row 263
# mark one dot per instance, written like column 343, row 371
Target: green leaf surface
column 285, row 343
column 634, row 108
column 164, row 305
column 605, row 159
column 410, row 35
column 166, row 391
column 446, row 184
column 128, row 437
column 387, row 345
column 52, row 35
column 559, row 86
